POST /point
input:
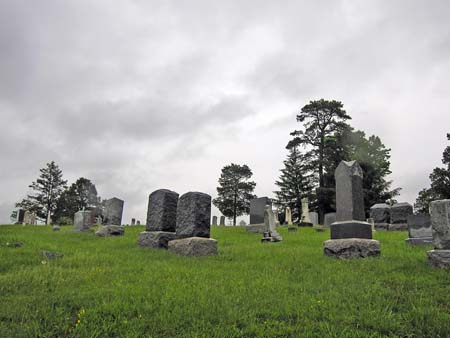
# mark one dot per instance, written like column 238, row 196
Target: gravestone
column 193, row 226
column 440, row 224
column 288, row 217
column 419, row 230
column 214, row 220
column 133, row 221
column 350, row 226
column 138, row 222
column 314, row 217
column 399, row 216
column 82, row 220
column 329, row 218
column 257, row 207
column 269, row 221
column 381, row 214
column 305, row 220
column 222, row 220
column 17, row 216
column 242, row 223
column 29, row 218
column 113, row 211
column 161, row 219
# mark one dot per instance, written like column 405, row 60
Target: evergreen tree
column 440, row 184
column 48, row 187
column 234, row 191
column 295, row 182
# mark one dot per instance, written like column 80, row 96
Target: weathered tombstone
column 399, row 216
column 305, row 220
column 381, row 215
column 419, row 230
column 440, row 224
column 351, row 236
column 214, row 220
column 138, row 222
column 314, row 217
column 242, row 223
column 257, row 207
column 222, row 220
column 193, row 226
column 269, row 221
column 110, row 230
column 133, row 221
column 82, row 220
column 113, row 211
column 288, row 217
column 161, row 219
column 328, row 219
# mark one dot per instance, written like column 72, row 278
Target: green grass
column 110, row 287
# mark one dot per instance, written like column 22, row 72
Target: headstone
column 113, row 211
column 162, row 210
column 399, row 216
column 194, row 215
column 305, row 220
column 110, row 230
column 440, row 223
column 257, row 207
column 194, row 246
column 138, row 222
column 222, row 220
column 381, row 214
column 350, row 225
column 29, row 218
column 133, row 221
column 214, row 220
column 161, row 219
column 269, row 221
column 82, row 220
column 314, row 217
column 17, row 216
column 288, row 217
column 419, row 230
column 56, row 228
column 242, row 223
column 329, row 218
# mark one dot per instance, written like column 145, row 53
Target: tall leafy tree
column 80, row 195
column 234, row 191
column 440, row 184
column 295, row 182
column 47, row 189
column 321, row 119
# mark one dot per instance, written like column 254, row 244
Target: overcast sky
column 142, row 95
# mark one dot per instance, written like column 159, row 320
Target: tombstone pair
column 179, row 224
column 351, row 235
column 393, row 218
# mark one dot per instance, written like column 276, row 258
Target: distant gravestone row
column 394, row 218
column 179, row 224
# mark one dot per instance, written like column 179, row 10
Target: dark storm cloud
column 137, row 95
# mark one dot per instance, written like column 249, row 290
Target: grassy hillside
column 110, row 287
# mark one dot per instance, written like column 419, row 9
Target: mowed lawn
column 110, row 287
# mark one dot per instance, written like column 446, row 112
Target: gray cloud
column 147, row 94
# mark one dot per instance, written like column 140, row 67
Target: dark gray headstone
column 380, row 213
column 349, row 192
column 400, row 213
column 194, row 215
column 113, row 211
column 351, row 229
column 133, row 221
column 257, row 207
column 419, row 226
column 222, row 220
column 214, row 220
column 440, row 222
column 162, row 211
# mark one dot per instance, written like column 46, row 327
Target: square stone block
column 351, row 229
column 351, row 248
column 194, row 246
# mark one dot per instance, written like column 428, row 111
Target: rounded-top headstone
column 113, row 211
column 194, row 215
column 440, row 224
column 162, row 211
column 349, row 192
column 381, row 213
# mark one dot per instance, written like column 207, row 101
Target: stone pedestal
column 110, row 230
column 439, row 258
column 419, row 230
column 420, row 241
column 193, row 246
column 256, row 228
column 351, row 229
column 351, row 248
column 156, row 239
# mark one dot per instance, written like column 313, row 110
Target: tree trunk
column 234, row 211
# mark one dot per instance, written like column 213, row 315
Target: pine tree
column 295, row 182
column 234, row 191
column 48, row 187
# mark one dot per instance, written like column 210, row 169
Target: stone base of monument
column 398, row 227
column 193, row 246
column 351, row 248
column 156, row 239
column 271, row 237
column 420, row 241
column 56, row 228
column 305, row 224
column 292, row 229
column 381, row 226
column 256, row 228
column 110, row 230
column 351, row 229
column 439, row 258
